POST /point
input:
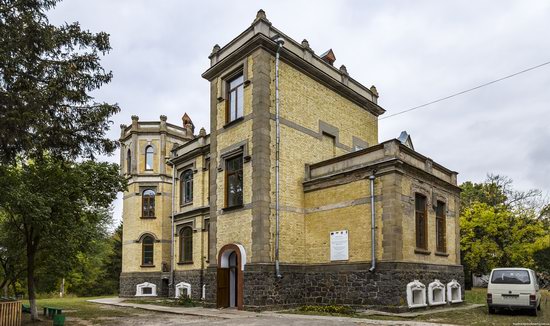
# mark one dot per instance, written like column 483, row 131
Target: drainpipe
column 172, row 229
column 373, row 224
column 280, row 43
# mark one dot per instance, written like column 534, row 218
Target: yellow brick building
column 275, row 207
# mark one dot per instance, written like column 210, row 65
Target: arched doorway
column 231, row 261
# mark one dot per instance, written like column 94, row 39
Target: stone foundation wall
column 342, row 284
column 346, row 284
column 128, row 282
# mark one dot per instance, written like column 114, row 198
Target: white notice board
column 339, row 245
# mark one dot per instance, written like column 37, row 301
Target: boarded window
column 421, row 222
column 440, row 227
column 234, row 181
column 147, row 246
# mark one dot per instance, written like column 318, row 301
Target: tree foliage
column 46, row 75
column 56, row 209
column 97, row 270
column 500, row 226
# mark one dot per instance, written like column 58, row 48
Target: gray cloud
column 414, row 52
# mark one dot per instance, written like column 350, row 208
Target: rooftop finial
column 202, row 132
column 215, row 49
column 163, row 118
column 374, row 90
column 305, row 44
column 344, row 70
column 261, row 15
column 135, row 118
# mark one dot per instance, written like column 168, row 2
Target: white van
column 513, row 288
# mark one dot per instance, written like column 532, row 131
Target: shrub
column 340, row 310
column 185, row 301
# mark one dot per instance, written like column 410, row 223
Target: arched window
column 186, row 195
column 148, row 203
column 147, row 250
column 149, row 157
column 129, row 162
column 186, row 245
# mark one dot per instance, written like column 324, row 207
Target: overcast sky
column 413, row 51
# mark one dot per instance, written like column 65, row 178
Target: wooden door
column 223, row 288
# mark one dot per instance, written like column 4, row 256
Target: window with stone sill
column 186, row 245
column 440, row 227
column 421, row 223
column 147, row 247
column 186, row 191
column 129, row 161
column 148, row 204
column 234, row 181
column 149, row 158
column 235, row 98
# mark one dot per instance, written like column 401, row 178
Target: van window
column 511, row 277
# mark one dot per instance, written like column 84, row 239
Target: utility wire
column 465, row 91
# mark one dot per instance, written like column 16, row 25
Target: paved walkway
column 192, row 311
column 240, row 317
column 413, row 314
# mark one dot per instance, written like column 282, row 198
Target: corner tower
column 146, row 214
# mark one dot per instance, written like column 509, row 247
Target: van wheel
column 492, row 310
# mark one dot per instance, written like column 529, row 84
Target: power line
column 465, row 91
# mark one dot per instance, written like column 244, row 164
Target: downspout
column 280, row 43
column 372, row 224
column 172, row 228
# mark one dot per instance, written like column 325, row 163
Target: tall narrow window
column 234, row 181
column 129, row 162
column 421, row 222
column 235, row 98
column 186, row 245
column 207, row 240
column 186, row 182
column 148, row 203
column 147, row 250
column 149, row 157
column 440, row 227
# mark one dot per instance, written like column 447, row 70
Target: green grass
column 78, row 308
column 477, row 295
column 476, row 316
column 480, row 316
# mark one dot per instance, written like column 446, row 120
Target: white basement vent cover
column 454, row 293
column 146, row 289
column 183, row 288
column 416, row 294
column 436, row 293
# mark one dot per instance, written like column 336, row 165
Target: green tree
column 500, row 226
column 12, row 265
column 98, row 269
column 56, row 210
column 46, row 75
column 113, row 267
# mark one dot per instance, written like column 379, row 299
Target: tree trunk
column 30, row 282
